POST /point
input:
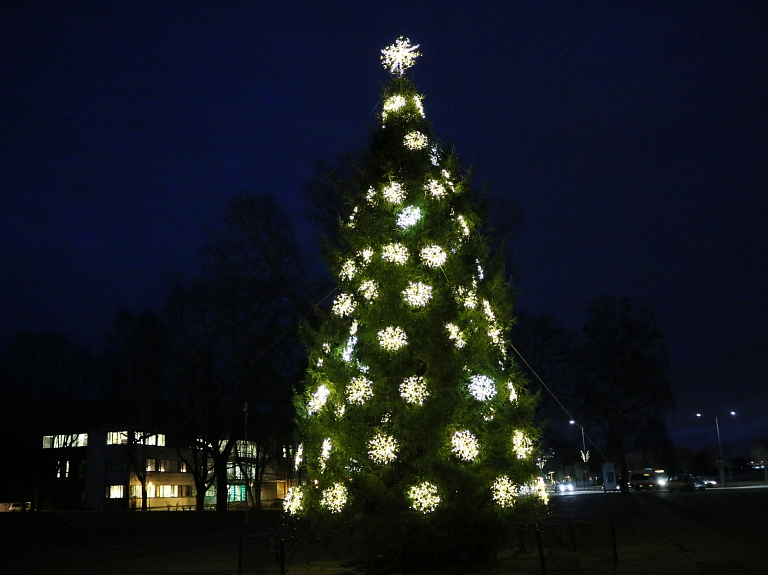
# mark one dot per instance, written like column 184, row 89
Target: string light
column 487, row 310
column 521, row 445
column 299, row 456
column 503, row 491
column 434, row 156
column 393, row 193
column 463, row 226
column 359, row 390
column 424, row 497
column 366, row 255
column 395, row 253
column 541, row 490
column 343, row 305
column 370, row 196
column 414, row 390
column 318, row 400
column 400, row 56
column 455, row 335
column 293, row 500
column 480, row 272
column 512, row 392
column 433, row 256
column 382, row 448
column 419, row 105
column 353, row 327
column 351, row 222
column 417, row 294
column 465, row 445
column 435, row 189
column 325, row 452
column 408, row 217
column 415, row 140
column 466, row 296
column 369, row 289
column 334, row 498
column 392, row 338
column 349, row 349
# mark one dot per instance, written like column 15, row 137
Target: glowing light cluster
column 503, row 491
column 434, row 155
column 434, row 256
column 414, row 390
column 348, row 270
column 293, row 500
column 464, row 444
column 400, row 56
column 419, row 105
column 480, row 272
column 447, row 177
column 521, row 444
column 482, row 387
column 487, row 310
column 325, row 452
column 392, row 104
column 424, row 497
column 417, row 294
column 455, row 335
column 466, row 296
column 349, row 349
column 392, row 338
column 382, row 448
column 395, row 253
column 369, row 289
column 512, row 392
column 435, row 189
column 393, row 193
column 343, row 305
column 415, row 140
column 370, row 196
column 359, row 390
column 297, row 461
column 334, row 498
column 408, row 217
column 463, row 225
column 318, row 399
column 495, row 334
column 366, row 255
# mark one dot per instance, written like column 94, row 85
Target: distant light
column 572, row 422
column 698, row 415
column 733, row 413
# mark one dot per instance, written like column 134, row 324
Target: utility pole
column 245, row 463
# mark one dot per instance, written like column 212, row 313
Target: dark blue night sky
column 633, row 134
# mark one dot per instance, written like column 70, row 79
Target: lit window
column 117, row 437
column 67, row 440
column 115, row 491
column 167, row 491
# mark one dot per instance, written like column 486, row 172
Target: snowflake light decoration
column 393, row 193
column 417, row 294
column 521, row 445
column 366, row 255
column 433, row 256
column 408, row 217
column 382, row 448
column 334, row 498
column 455, row 335
column 466, row 296
column 369, row 289
column 343, row 305
column 293, row 500
column 392, row 338
column 415, row 140
column 414, row 390
column 464, row 444
column 482, row 387
column 424, row 497
column 348, row 270
column 503, row 491
column 435, row 189
column 318, row 399
column 359, row 390
column 400, row 56
column 395, row 253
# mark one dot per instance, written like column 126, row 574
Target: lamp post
column 720, row 461
column 245, row 463
column 584, row 453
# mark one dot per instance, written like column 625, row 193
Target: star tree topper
column 399, row 56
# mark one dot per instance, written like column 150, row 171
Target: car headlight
column 662, row 482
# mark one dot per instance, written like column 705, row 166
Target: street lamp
column 720, row 461
column 584, row 453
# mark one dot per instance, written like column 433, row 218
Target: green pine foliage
column 412, row 260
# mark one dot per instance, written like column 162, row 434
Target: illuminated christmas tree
column 413, row 409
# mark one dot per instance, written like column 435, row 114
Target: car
column 709, row 481
column 565, row 487
column 23, row 506
column 685, row 482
